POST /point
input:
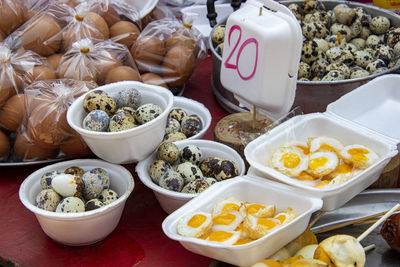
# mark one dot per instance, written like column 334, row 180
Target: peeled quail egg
column 227, row 205
column 194, row 224
column 289, row 160
column 322, row 163
column 96, row 120
column 171, row 180
column 45, row 180
column 147, row 112
column 189, row 172
column 224, row 237
column 259, row 210
column 93, row 204
column 47, row 199
column 358, row 155
column 108, row 196
column 226, row 221
column 168, row 152
column 196, row 186
column 128, row 97
column 157, row 169
column 98, row 99
column 68, row 185
column 71, row 205
column 191, row 153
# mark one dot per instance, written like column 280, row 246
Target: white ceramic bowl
column 250, row 189
column 170, row 200
column 192, row 107
column 130, row 145
column 82, row 228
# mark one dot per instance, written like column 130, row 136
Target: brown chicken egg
column 24, row 149
column 54, row 60
column 111, row 16
column 75, row 147
column 124, row 32
column 73, row 69
column 12, row 113
column 148, row 52
column 71, row 3
column 105, row 63
column 12, row 16
column 122, row 73
column 4, row 146
column 1, row 36
column 40, row 73
column 41, row 36
column 181, row 38
column 8, row 87
column 178, row 65
column 154, row 79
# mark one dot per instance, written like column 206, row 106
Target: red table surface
column 138, row 239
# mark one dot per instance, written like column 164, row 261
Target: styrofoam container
column 82, row 228
column 192, row 107
column 171, row 200
column 373, row 105
column 129, row 145
column 250, row 189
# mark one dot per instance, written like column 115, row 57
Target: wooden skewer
column 370, row 247
column 365, row 222
column 372, row 227
column 254, row 117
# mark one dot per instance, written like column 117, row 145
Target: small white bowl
column 192, row 107
column 248, row 189
column 170, row 200
column 82, row 228
column 129, row 145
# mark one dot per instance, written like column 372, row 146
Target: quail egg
column 177, row 114
column 296, row 10
column 372, row 41
column 362, row 58
column 189, row 172
column 93, row 204
column 168, row 152
column 147, row 112
column 45, row 180
column 47, row 199
column 319, row 68
column 96, row 120
column 108, row 196
column 344, row 14
column 313, row 30
column 359, row 43
column 394, row 62
column 323, row 45
column 225, row 169
column 129, row 110
column 191, row 125
column 196, row 186
column 309, row 51
column 362, row 15
column 357, row 72
column 383, row 52
column 191, row 153
column 365, row 32
column 208, row 166
column 392, row 37
column 319, row 16
column 173, row 126
column 74, row 170
column 98, row 99
column 176, row 136
column 304, row 71
column 334, row 75
column 341, row 29
column 157, row 169
column 71, row 205
column 379, row 24
column 68, row 185
column 218, row 34
column 340, row 67
column 172, row 180
column 375, row 66
column 128, row 97
column 211, row 180
column 355, row 28
column 312, row 6
column 96, row 180
column 121, row 121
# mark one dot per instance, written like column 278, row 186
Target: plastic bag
column 45, row 130
column 12, row 16
column 102, row 62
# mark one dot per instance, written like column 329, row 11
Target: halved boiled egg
column 224, row 237
column 322, row 163
column 194, row 224
column 289, row 160
column 343, row 177
column 227, row 204
column 259, row 210
column 324, row 143
column 300, row 144
column 360, row 156
column 342, row 169
column 258, row 227
column 285, row 216
column 226, row 221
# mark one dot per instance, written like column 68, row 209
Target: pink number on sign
column 245, row 43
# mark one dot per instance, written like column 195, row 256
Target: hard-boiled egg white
column 224, row 237
column 259, row 210
column 226, row 221
column 324, row 143
column 300, row 144
column 285, row 216
column 342, row 169
column 360, row 156
column 194, row 224
column 343, row 177
column 289, row 160
column 258, row 227
column 227, row 204
column 322, row 163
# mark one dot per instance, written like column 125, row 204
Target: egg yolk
column 220, row 236
column 224, row 218
column 316, row 163
column 231, row 207
column 267, row 223
column 242, row 242
column 197, row 220
column 327, row 148
column 254, row 208
column 305, row 149
column 344, row 168
column 358, row 154
column 290, row 160
column 281, row 218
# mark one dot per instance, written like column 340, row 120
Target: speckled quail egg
column 378, row 65
column 171, row 180
column 96, row 120
column 147, row 112
column 68, row 185
column 225, row 169
column 319, row 16
column 208, row 165
column 340, row 67
column 359, row 43
column 358, row 72
column 191, row 125
column 98, row 99
column 211, row 180
column 71, row 205
column 340, row 55
column 344, row 30
column 127, row 110
column 394, row 62
column 220, row 49
column 45, row 180
column 93, row 204
column 47, row 199
column 311, row 6
column 344, row 14
column 362, row 58
column 196, row 186
column 168, row 152
column 355, row 28
column 362, row 15
column 189, row 171
column 379, row 24
column 191, row 153
column 332, row 16
column 296, row 10
column 323, row 45
column 172, row 126
column 96, row 180
column 176, row 136
column 309, row 51
column 319, row 68
column 373, row 40
column 383, row 52
column 218, row 34
column 177, row 114
column 108, row 196
column 392, row 37
column 396, row 49
column 334, row 75
column 333, row 40
column 304, row 71
column 365, row 32
column 313, row 30
column 74, row 170
column 350, row 47
column 158, row 168
column 121, row 121
column 128, row 97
